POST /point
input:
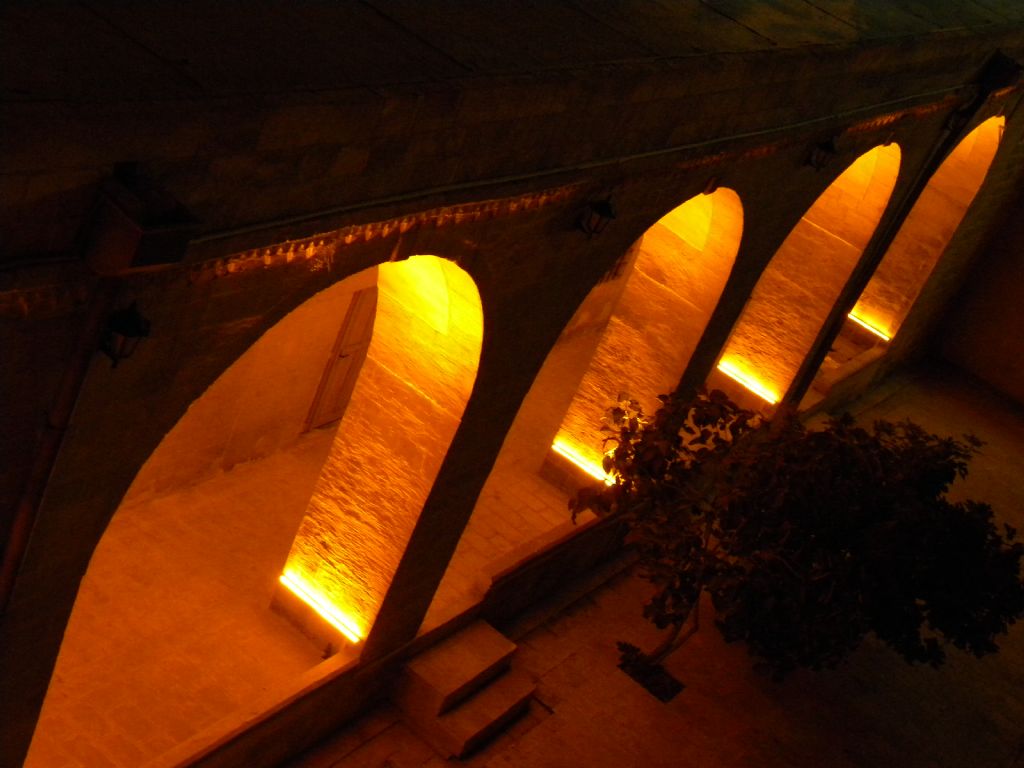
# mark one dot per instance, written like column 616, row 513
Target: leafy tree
column 806, row 540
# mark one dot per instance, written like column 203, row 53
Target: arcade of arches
column 635, row 329
column 897, row 283
column 801, row 284
column 311, row 457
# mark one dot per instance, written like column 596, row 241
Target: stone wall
column 928, row 229
column 799, row 287
column 682, row 263
column 408, row 401
column 474, row 147
column 982, row 334
column 257, row 406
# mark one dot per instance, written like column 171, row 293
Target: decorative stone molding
column 319, row 250
column 53, row 299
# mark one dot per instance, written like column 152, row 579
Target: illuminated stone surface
column 911, row 258
column 280, row 124
column 928, row 228
column 681, row 266
column 172, row 623
column 407, row 403
column 803, row 280
column 171, row 630
column 259, row 405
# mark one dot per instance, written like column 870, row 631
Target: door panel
column 346, row 360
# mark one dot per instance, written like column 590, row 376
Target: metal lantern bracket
column 822, row 153
column 124, row 330
column 596, row 217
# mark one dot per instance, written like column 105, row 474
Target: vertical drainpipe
column 57, row 419
column 1000, row 71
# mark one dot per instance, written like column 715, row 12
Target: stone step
column 439, row 678
column 479, row 718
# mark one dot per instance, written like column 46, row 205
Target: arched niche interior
column 680, row 268
column 420, row 370
column 635, row 333
column 333, row 425
column 800, row 285
column 901, row 275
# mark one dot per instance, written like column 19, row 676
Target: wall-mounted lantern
column 596, row 217
column 125, row 329
column 821, row 153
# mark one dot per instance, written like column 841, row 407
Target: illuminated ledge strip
column 869, row 327
column 749, row 383
column 315, row 600
column 583, row 463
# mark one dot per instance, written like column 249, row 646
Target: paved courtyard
column 875, row 711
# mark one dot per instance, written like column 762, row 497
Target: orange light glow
column 927, row 230
column 671, row 279
column 594, row 470
column 794, row 295
column 421, row 362
column 748, row 381
column 691, row 221
column 868, row 326
column 315, row 600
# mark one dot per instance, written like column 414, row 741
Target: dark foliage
column 807, row 540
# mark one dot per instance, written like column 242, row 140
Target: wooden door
column 347, row 356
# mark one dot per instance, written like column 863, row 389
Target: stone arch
column 421, row 369
column 187, row 636
column 674, row 276
column 797, row 290
column 666, row 285
column 897, row 283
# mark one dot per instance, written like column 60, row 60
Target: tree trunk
column 677, row 637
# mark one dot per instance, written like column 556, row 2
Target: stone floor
column 172, row 632
column 515, row 508
column 873, row 712
column 171, row 629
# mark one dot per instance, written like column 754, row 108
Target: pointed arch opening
column 908, row 263
column 802, row 282
column 332, row 424
column 680, row 267
column 635, row 332
column 420, row 371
